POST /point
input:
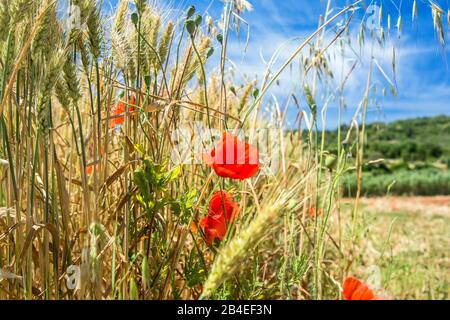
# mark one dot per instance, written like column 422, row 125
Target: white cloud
column 417, row 88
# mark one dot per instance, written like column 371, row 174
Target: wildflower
column 89, row 169
column 354, row 289
column 118, row 111
column 312, row 212
column 214, row 227
column 222, row 211
column 233, row 158
column 90, row 166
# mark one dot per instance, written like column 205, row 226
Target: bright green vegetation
column 425, row 182
column 407, row 157
column 412, row 141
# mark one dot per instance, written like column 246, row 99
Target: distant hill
column 420, row 140
column 416, row 155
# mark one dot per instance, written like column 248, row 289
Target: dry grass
column 407, row 239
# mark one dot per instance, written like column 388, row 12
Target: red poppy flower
column 221, row 204
column 222, row 211
column 119, row 109
column 233, row 158
column 90, row 167
column 312, row 212
column 214, row 227
column 355, row 289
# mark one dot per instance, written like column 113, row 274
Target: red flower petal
column 354, row 289
column 221, row 204
column 312, row 212
column 363, row 292
column 119, row 109
column 234, row 158
column 222, row 211
column 214, row 228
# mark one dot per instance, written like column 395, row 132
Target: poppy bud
column 198, row 20
column 190, row 12
column 134, row 18
column 220, row 38
column 210, row 52
column 147, row 80
column 190, row 26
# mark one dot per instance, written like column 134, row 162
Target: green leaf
column 176, row 207
column 141, row 200
column 134, row 293
column 141, row 182
column 190, row 198
column 194, row 270
column 147, row 80
column 139, row 149
column 174, row 173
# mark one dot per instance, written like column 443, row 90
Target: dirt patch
column 439, row 205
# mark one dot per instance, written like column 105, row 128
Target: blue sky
column 423, row 72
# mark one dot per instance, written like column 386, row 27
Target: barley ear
column 4, row 19
column 53, row 67
column 72, row 81
column 19, row 9
column 93, row 26
column 165, row 41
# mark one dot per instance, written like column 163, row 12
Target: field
column 407, row 240
column 137, row 162
column 407, row 157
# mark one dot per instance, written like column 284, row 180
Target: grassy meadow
column 407, row 238
column 109, row 190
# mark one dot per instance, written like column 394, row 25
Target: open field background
column 407, row 238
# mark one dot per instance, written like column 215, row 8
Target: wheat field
column 113, row 124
